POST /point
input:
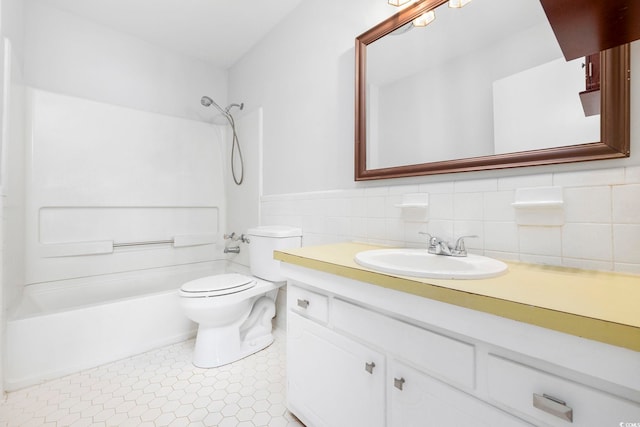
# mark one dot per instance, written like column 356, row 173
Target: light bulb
column 397, row 3
column 424, row 19
column 458, row 3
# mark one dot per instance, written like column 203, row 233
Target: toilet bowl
column 234, row 311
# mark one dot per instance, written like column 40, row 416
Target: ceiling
column 217, row 31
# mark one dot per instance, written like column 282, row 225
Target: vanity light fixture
column 398, row 3
column 424, row 19
column 458, row 3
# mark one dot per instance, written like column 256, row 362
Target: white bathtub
column 64, row 327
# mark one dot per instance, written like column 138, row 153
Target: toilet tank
column 263, row 241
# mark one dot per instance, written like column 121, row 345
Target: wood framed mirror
column 418, row 127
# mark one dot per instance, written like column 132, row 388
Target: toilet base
column 220, row 345
column 207, row 355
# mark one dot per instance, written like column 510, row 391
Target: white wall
column 71, row 55
column 302, row 74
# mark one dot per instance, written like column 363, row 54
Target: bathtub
column 64, row 327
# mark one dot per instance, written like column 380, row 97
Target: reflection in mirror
column 477, row 95
column 470, row 89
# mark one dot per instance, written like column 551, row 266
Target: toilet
column 234, row 311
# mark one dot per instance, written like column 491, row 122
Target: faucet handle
column 460, row 248
column 432, row 240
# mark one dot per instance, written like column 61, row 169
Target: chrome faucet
column 234, row 238
column 438, row 246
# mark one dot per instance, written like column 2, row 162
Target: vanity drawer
column 436, row 354
column 554, row 400
column 307, row 303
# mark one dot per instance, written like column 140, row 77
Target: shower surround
column 121, row 206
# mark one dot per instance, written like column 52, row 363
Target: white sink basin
column 420, row 263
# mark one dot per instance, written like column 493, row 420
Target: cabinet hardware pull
column 398, row 383
column 304, row 303
column 553, row 406
column 369, row 367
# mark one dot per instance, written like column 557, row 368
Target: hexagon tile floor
column 161, row 388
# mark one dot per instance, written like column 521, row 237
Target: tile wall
column 601, row 229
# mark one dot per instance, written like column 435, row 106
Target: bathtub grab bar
column 56, row 250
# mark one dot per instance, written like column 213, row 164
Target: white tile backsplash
column 358, row 207
column 526, row 181
column 469, row 228
column 412, row 234
column 587, row 241
column 475, row 185
column 441, row 206
column 626, row 238
column 396, row 230
column 441, row 227
column 437, row 187
column 541, row 259
column 501, row 236
column 588, row 204
column 376, row 206
column 621, row 267
column 376, row 191
column 587, row 264
column 626, row 204
column 632, row 175
column 540, row 240
column 589, row 178
column 601, row 214
column 497, row 206
column 376, row 229
column 404, row 189
column 468, row 206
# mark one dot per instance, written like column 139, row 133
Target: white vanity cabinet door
column 332, row 380
column 418, row 400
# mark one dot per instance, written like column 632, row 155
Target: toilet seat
column 218, row 285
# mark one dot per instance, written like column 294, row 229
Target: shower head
column 225, row 114
column 206, row 101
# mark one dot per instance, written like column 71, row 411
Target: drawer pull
column 369, row 367
column 553, row 406
column 304, row 303
column 398, row 383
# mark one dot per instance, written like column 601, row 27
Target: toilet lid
column 220, row 284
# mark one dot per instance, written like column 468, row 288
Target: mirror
column 481, row 87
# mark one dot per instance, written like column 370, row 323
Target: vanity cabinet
column 342, row 369
column 334, row 381
column 420, row 400
column 362, row 355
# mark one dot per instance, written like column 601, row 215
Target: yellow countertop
column 595, row 305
